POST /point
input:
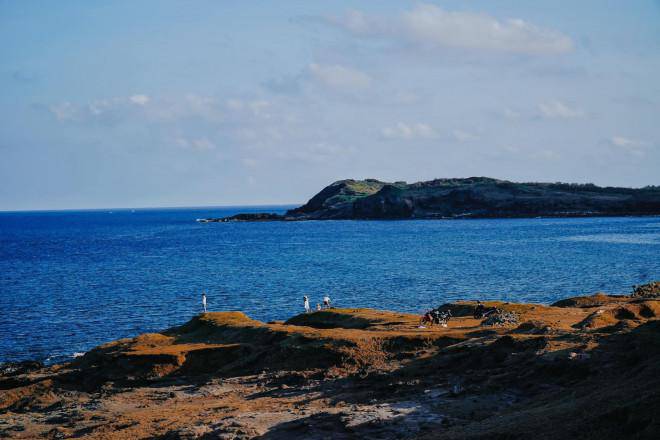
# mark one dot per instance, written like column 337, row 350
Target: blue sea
column 71, row 280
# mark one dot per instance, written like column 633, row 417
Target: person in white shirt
column 306, row 303
column 204, row 301
column 326, row 302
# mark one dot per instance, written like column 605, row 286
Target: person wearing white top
column 204, row 301
column 306, row 303
column 326, row 302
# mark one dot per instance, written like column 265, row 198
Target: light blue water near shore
column 72, row 280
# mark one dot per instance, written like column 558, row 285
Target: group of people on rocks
column 481, row 311
column 430, row 317
column 441, row 317
column 326, row 304
column 435, row 316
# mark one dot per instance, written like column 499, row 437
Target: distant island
column 474, row 197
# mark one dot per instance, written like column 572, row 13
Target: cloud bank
column 429, row 26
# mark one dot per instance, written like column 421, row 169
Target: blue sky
column 173, row 103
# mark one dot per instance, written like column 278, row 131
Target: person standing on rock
column 326, row 302
column 306, row 304
column 204, row 300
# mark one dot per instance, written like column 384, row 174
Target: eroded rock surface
column 585, row 369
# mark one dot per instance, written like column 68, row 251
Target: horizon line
column 335, row 181
column 144, row 208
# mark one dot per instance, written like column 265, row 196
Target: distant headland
column 473, row 197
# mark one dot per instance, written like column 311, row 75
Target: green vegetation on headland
column 474, row 197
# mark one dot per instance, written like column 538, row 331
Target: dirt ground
column 588, row 367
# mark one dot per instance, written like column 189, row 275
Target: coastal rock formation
column 649, row 290
column 474, row 197
column 582, row 369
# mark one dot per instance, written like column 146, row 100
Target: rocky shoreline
column 585, row 367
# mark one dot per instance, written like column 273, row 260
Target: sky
column 178, row 103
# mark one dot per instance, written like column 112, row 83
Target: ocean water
column 72, row 280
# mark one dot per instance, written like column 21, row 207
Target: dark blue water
column 72, row 280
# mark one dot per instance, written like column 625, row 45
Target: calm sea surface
column 73, row 280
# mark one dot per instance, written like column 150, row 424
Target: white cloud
column 402, row 130
column 429, row 26
column 339, row 77
column 510, row 114
column 546, row 154
column 139, row 99
column 464, row 136
column 206, row 107
column 101, row 110
column 559, row 110
column 199, row 144
column 113, row 110
column 317, row 152
column 359, row 23
column 406, row 98
column 632, row 146
column 64, row 111
column 193, row 106
column 623, row 142
column 203, row 144
column 256, row 107
column 511, row 149
column 249, row 162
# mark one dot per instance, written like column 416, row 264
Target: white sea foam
column 616, row 238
